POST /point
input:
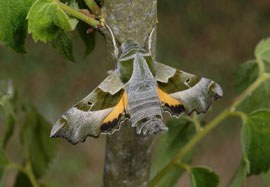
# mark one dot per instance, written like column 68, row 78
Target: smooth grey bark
column 128, row 155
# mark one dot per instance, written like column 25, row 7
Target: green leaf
column 241, row 173
column 63, row 43
column 202, row 177
column 260, row 98
column 35, row 135
column 46, row 18
column 246, row 75
column 262, row 50
column 7, row 110
column 22, row 180
column 3, row 99
column 266, row 178
column 10, row 123
column 40, row 21
column 256, row 141
column 13, row 24
column 89, row 39
column 180, row 132
column 3, row 164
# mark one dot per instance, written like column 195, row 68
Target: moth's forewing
column 87, row 117
column 136, row 89
column 193, row 92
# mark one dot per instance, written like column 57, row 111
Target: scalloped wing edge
column 199, row 97
column 76, row 125
column 196, row 97
column 81, row 121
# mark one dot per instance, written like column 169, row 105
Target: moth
column 138, row 90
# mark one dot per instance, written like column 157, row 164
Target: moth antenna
column 116, row 50
column 149, row 42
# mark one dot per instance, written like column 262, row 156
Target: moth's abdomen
column 146, row 115
column 143, row 101
column 144, row 107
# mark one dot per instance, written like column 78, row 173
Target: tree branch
column 128, row 155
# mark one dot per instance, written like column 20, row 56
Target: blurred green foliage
column 201, row 177
column 37, row 148
column 168, row 146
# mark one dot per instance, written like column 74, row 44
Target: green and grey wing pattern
column 193, row 93
column 87, row 117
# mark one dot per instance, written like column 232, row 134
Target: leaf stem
column 27, row 170
column 215, row 122
column 31, row 176
column 242, row 115
column 189, row 146
column 194, row 119
column 183, row 165
column 249, row 90
column 15, row 166
column 92, row 6
column 74, row 13
column 260, row 63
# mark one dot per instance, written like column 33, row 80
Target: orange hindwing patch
column 113, row 118
column 171, row 103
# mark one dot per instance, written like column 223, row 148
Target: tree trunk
column 128, row 155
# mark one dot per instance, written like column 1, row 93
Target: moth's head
column 129, row 45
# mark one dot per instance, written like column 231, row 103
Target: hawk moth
column 139, row 90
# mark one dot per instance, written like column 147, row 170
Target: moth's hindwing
column 100, row 112
column 115, row 116
column 170, row 104
column 183, row 92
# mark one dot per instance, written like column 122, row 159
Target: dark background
column 204, row 37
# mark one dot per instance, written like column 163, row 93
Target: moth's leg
column 116, row 50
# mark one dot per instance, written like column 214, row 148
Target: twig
column 249, row 90
column 189, row 146
column 93, row 6
column 215, row 122
column 91, row 21
column 27, row 170
column 184, row 166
